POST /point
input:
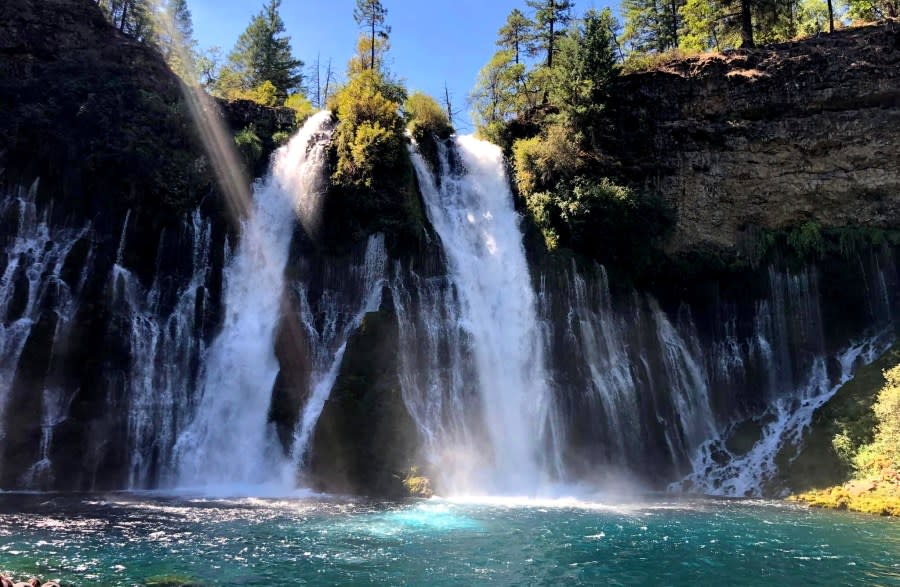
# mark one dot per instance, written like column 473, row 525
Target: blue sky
column 432, row 41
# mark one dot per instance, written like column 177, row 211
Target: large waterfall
column 193, row 357
column 472, row 211
column 230, row 440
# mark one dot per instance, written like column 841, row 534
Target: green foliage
column 132, row 17
column 651, row 25
column 869, row 10
column 249, row 145
column 807, row 241
column 517, row 36
column 263, row 54
column 425, row 117
column 551, row 17
column 542, row 162
column 281, row 137
column 587, row 67
column 370, row 15
column 373, row 184
column 301, row 105
column 881, row 457
column 495, row 98
column 370, row 132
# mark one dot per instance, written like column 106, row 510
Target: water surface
column 133, row 539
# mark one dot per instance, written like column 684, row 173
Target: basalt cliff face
column 770, row 138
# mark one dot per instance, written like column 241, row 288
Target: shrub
column 882, row 456
column 542, row 162
column 301, row 105
column 425, row 117
column 249, row 145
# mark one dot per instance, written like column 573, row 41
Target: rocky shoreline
column 6, row 581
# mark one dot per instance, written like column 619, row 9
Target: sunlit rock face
column 769, row 137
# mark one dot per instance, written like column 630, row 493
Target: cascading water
column 230, row 441
column 35, row 284
column 472, row 211
column 329, row 325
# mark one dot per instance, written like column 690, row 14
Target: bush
column 249, row 145
column 302, row 107
column 370, row 133
column 542, row 162
column 425, row 117
column 882, row 456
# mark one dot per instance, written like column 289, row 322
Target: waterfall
column 472, row 211
column 329, row 326
column 230, row 441
column 37, row 280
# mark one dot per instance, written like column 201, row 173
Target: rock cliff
column 769, row 138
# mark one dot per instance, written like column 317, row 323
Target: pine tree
column 517, row 35
column 370, row 15
column 132, row 17
column 651, row 25
column 551, row 18
column 175, row 37
column 263, row 53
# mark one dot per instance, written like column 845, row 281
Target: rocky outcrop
column 90, row 111
column 769, row 138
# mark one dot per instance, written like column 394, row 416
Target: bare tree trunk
column 746, row 25
column 327, row 83
column 448, row 104
column 552, row 34
column 830, row 16
column 372, row 63
column 674, row 8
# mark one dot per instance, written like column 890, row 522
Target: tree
column 175, row 38
column 868, row 10
column 370, row 15
column 746, row 25
column 494, row 96
column 651, row 25
column 132, row 17
column 582, row 80
column 550, row 21
column 263, row 53
column 517, row 35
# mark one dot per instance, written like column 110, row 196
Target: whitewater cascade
column 472, row 211
column 520, row 376
column 230, row 441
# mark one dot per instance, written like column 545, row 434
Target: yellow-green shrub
column 301, row 106
column 426, row 117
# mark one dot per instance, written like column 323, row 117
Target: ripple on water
column 127, row 540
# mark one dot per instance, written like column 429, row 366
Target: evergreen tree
column 175, row 37
column 651, row 25
column 493, row 99
column 587, row 66
column 370, row 15
column 263, row 53
column 132, row 17
column 551, row 18
column 517, row 35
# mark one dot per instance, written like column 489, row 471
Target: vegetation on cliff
column 851, row 459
